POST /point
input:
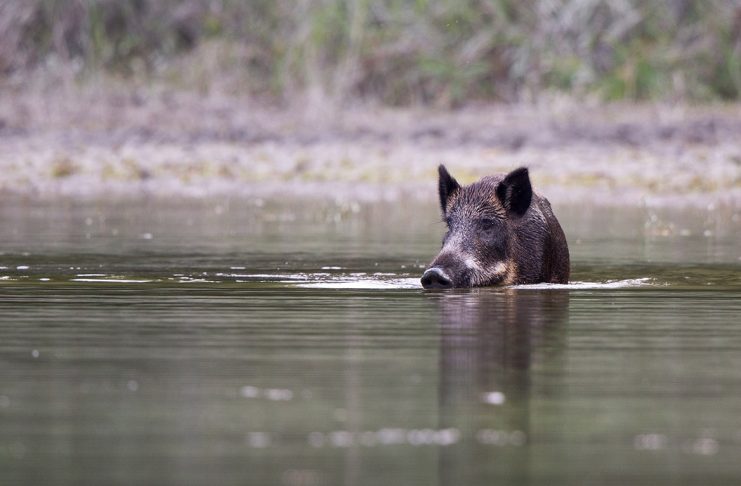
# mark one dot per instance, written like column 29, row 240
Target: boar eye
column 488, row 223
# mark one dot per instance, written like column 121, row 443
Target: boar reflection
column 498, row 347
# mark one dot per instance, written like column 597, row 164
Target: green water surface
column 254, row 343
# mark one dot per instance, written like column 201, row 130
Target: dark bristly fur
column 500, row 232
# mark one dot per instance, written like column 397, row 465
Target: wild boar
column 500, row 232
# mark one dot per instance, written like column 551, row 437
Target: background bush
column 398, row 52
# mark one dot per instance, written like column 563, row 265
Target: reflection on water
column 255, row 344
column 489, row 341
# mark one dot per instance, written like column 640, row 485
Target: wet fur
column 530, row 244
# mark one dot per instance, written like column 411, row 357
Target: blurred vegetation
column 437, row 52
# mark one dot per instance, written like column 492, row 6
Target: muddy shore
column 91, row 143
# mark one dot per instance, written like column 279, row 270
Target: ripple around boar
column 500, row 232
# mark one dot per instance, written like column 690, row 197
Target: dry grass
column 98, row 144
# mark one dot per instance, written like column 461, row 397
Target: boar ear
column 515, row 191
column 447, row 186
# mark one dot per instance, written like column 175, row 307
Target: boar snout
column 436, row 278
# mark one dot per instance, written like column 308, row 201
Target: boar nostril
column 435, row 278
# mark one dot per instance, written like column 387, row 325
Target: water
column 253, row 343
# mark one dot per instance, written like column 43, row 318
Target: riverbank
column 102, row 143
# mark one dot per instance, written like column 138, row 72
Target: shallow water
column 253, row 343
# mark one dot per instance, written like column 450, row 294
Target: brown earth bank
column 130, row 142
